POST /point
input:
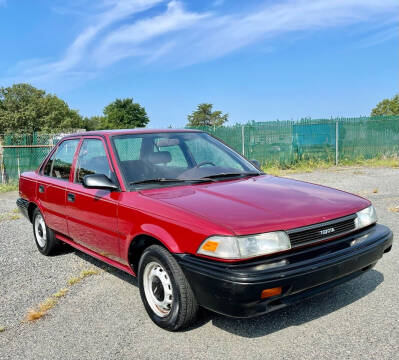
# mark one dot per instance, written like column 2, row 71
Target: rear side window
column 59, row 165
column 92, row 160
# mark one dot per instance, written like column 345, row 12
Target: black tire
column 184, row 307
column 47, row 244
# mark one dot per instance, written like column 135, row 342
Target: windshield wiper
column 156, row 180
column 203, row 179
column 166, row 180
column 221, row 175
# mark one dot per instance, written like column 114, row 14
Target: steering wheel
column 202, row 163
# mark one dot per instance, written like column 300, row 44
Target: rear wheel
column 165, row 292
column 45, row 238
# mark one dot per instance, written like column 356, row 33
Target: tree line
column 25, row 109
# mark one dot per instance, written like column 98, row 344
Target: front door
column 92, row 213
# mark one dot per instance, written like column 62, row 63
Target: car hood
column 260, row 204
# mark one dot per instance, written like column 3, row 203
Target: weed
column 47, row 304
column 74, row 280
column 375, row 191
column 2, row 329
column 10, row 215
column 41, row 310
column 60, row 293
column 394, row 209
column 34, row 315
column 8, row 187
column 88, row 272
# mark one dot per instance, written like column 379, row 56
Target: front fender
column 157, row 233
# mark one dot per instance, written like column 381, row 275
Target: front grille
column 322, row 231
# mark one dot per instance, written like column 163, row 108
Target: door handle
column 41, row 189
column 71, row 197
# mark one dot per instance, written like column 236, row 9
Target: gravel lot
column 102, row 317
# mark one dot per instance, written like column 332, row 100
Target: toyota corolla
column 197, row 223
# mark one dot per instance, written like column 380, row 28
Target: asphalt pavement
column 102, row 317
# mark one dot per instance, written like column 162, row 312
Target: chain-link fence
column 19, row 153
column 333, row 140
column 277, row 142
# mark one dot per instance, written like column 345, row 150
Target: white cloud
column 124, row 41
column 121, row 29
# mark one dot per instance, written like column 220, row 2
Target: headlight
column 365, row 217
column 244, row 247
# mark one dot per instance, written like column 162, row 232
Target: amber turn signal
column 210, row 246
column 271, row 292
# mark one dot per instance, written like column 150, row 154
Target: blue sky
column 256, row 60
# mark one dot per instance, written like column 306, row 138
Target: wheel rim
column 40, row 231
column 158, row 289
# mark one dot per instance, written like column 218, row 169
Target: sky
column 256, row 60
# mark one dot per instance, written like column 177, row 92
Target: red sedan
column 197, row 223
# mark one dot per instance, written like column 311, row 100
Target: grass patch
column 2, row 329
column 8, row 187
column 10, row 215
column 303, row 166
column 394, row 209
column 40, row 310
column 306, row 166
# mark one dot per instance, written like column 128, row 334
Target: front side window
column 181, row 157
column 60, row 163
column 92, row 159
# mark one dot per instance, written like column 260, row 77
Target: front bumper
column 235, row 289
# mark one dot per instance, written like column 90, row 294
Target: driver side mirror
column 99, row 181
column 256, row 163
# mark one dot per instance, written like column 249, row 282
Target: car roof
column 131, row 131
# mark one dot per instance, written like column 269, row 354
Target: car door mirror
column 256, row 163
column 99, row 181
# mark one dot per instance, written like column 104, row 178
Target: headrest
column 160, row 157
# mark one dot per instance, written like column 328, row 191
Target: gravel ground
column 102, row 316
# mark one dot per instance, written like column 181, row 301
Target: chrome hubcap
column 40, row 231
column 158, row 289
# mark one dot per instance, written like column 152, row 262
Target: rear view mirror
column 99, row 181
column 164, row 142
column 256, row 163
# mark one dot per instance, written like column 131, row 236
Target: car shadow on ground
column 108, row 268
column 295, row 315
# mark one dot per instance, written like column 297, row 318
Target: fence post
column 336, row 143
column 1, row 163
column 242, row 140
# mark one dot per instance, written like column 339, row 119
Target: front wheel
column 165, row 292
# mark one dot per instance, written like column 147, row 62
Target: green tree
column 204, row 116
column 387, row 107
column 124, row 114
column 94, row 122
column 25, row 109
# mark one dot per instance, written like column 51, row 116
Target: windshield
column 161, row 158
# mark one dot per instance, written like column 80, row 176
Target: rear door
column 92, row 213
column 51, row 188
